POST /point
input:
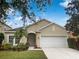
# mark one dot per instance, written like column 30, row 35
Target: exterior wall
column 37, row 26
column 4, row 27
column 1, row 28
column 38, row 39
column 7, row 28
column 10, row 33
column 7, row 34
column 53, row 30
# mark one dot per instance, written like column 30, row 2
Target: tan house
column 41, row 34
column 4, row 28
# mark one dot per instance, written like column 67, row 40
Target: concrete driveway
column 61, row 53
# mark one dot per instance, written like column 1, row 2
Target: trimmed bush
column 27, row 45
column 1, row 39
column 75, row 43
column 78, row 44
column 7, row 46
column 21, row 47
column 72, row 43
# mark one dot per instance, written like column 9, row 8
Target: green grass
column 33, row 54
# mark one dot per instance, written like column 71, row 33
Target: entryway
column 31, row 39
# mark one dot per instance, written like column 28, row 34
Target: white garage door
column 53, row 42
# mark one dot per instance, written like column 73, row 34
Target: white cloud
column 18, row 18
column 10, row 11
column 15, row 23
column 65, row 3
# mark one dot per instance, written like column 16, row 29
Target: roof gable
column 32, row 24
column 52, row 29
column 5, row 24
column 38, row 22
column 42, row 28
column 36, row 26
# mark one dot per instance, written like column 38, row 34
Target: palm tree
column 19, row 34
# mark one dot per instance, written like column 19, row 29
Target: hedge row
column 73, row 43
column 19, row 47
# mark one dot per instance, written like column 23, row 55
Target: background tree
column 1, row 39
column 73, row 11
column 24, row 6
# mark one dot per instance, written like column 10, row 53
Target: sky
column 55, row 13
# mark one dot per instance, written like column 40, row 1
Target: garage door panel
column 53, row 42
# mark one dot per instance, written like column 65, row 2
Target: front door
column 31, row 39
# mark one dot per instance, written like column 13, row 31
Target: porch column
column 38, row 39
column 14, row 42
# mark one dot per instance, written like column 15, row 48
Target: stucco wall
column 7, row 34
column 37, row 26
column 11, row 33
column 4, row 27
column 53, row 30
column 38, row 39
column 1, row 27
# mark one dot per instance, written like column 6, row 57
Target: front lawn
column 32, row 54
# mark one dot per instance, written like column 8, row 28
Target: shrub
column 7, row 46
column 72, row 43
column 1, row 39
column 27, row 45
column 21, row 47
column 14, row 48
column 78, row 44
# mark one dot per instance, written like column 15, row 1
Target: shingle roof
column 29, row 25
column 49, row 25
column 5, row 24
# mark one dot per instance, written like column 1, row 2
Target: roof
column 49, row 25
column 41, row 27
column 30, row 25
column 15, row 29
column 5, row 24
column 38, row 22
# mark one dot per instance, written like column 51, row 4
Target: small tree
column 1, row 39
column 19, row 34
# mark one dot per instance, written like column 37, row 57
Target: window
column 11, row 39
